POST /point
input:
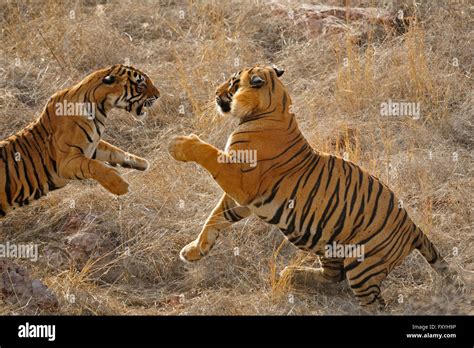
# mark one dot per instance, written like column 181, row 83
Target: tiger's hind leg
column 331, row 271
column 365, row 279
column 224, row 214
column 106, row 152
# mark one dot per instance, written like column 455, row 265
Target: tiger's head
column 251, row 91
column 125, row 87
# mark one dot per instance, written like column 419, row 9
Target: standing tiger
column 64, row 143
column 317, row 200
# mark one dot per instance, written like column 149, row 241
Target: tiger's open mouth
column 140, row 110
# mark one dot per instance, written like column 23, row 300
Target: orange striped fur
column 65, row 144
column 317, row 200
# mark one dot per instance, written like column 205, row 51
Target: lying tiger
column 65, row 144
column 317, row 200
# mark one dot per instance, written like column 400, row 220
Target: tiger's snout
column 224, row 104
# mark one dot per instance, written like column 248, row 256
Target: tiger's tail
column 434, row 258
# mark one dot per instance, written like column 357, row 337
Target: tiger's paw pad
column 180, row 148
column 191, row 252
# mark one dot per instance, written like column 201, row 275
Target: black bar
column 347, row 330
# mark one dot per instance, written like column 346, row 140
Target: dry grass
column 188, row 47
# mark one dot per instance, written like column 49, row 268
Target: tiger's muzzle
column 223, row 103
column 140, row 109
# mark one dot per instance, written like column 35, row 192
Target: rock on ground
column 17, row 288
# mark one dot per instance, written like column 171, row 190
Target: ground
column 100, row 254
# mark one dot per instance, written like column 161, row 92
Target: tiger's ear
column 256, row 81
column 108, row 80
column 279, row 72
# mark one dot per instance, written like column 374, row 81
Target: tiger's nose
column 219, row 101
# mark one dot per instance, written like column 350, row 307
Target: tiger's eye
column 108, row 80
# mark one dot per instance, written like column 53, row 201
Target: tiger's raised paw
column 181, row 147
column 115, row 184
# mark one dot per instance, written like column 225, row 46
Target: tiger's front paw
column 182, row 147
column 192, row 252
column 114, row 183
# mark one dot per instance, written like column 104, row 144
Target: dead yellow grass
column 337, row 83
